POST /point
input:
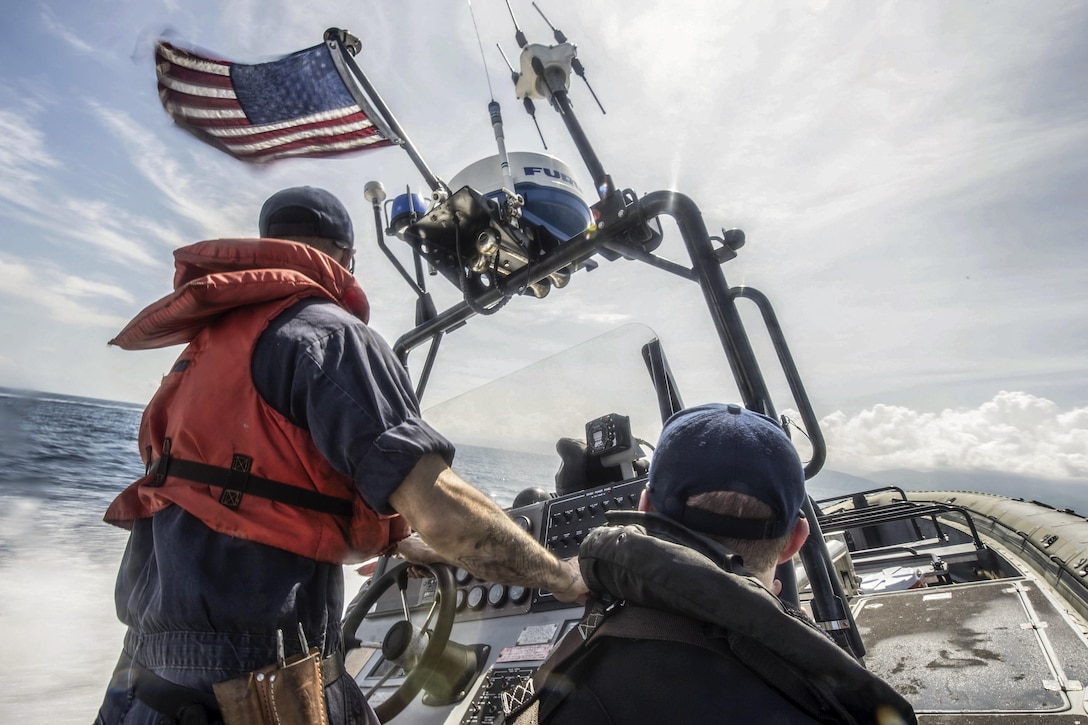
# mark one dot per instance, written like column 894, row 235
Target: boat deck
column 986, row 652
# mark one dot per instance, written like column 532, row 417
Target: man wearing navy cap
column 733, row 475
column 313, row 217
column 684, row 625
column 284, row 442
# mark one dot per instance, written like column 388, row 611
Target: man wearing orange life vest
column 285, row 441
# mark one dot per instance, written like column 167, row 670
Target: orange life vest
column 212, row 445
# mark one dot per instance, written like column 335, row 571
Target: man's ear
column 644, row 502
column 797, row 539
column 347, row 259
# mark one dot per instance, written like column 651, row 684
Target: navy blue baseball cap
column 306, row 211
column 717, row 447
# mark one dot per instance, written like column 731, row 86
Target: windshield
column 506, row 431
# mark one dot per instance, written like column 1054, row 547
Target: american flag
column 296, row 106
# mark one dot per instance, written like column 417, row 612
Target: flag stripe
column 310, row 148
column 178, row 74
column 314, row 135
column 344, row 117
column 195, row 89
column 184, row 58
column 199, row 103
column 296, row 106
column 210, row 117
column 329, row 149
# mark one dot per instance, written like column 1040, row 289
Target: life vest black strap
column 237, row 481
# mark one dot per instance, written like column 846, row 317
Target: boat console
column 498, row 635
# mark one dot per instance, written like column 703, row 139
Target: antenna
column 490, row 90
column 559, row 37
column 518, row 35
column 530, row 107
column 514, row 202
column 575, row 64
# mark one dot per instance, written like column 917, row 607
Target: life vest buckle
column 160, row 466
column 237, row 481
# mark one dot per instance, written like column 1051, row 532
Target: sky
column 911, row 178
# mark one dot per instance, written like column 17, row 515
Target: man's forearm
column 497, row 550
column 469, row 530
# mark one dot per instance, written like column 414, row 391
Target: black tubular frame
column 623, row 229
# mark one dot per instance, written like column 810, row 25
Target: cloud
column 1014, row 432
column 22, row 149
column 826, row 117
column 62, row 296
column 62, row 32
column 78, row 287
column 183, row 190
column 26, row 197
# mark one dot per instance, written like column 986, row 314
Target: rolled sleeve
column 329, row 373
column 392, row 457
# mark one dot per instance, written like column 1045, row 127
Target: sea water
column 62, row 460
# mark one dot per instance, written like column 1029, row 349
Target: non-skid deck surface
column 999, row 647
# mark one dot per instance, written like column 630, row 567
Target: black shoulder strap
column 633, row 622
column 571, row 648
column 802, row 691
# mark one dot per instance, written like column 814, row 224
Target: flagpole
column 341, row 40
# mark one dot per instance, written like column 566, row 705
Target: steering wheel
column 417, row 650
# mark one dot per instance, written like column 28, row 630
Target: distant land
column 42, row 395
column 1065, row 494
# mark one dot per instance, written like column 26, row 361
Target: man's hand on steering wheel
column 417, row 551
